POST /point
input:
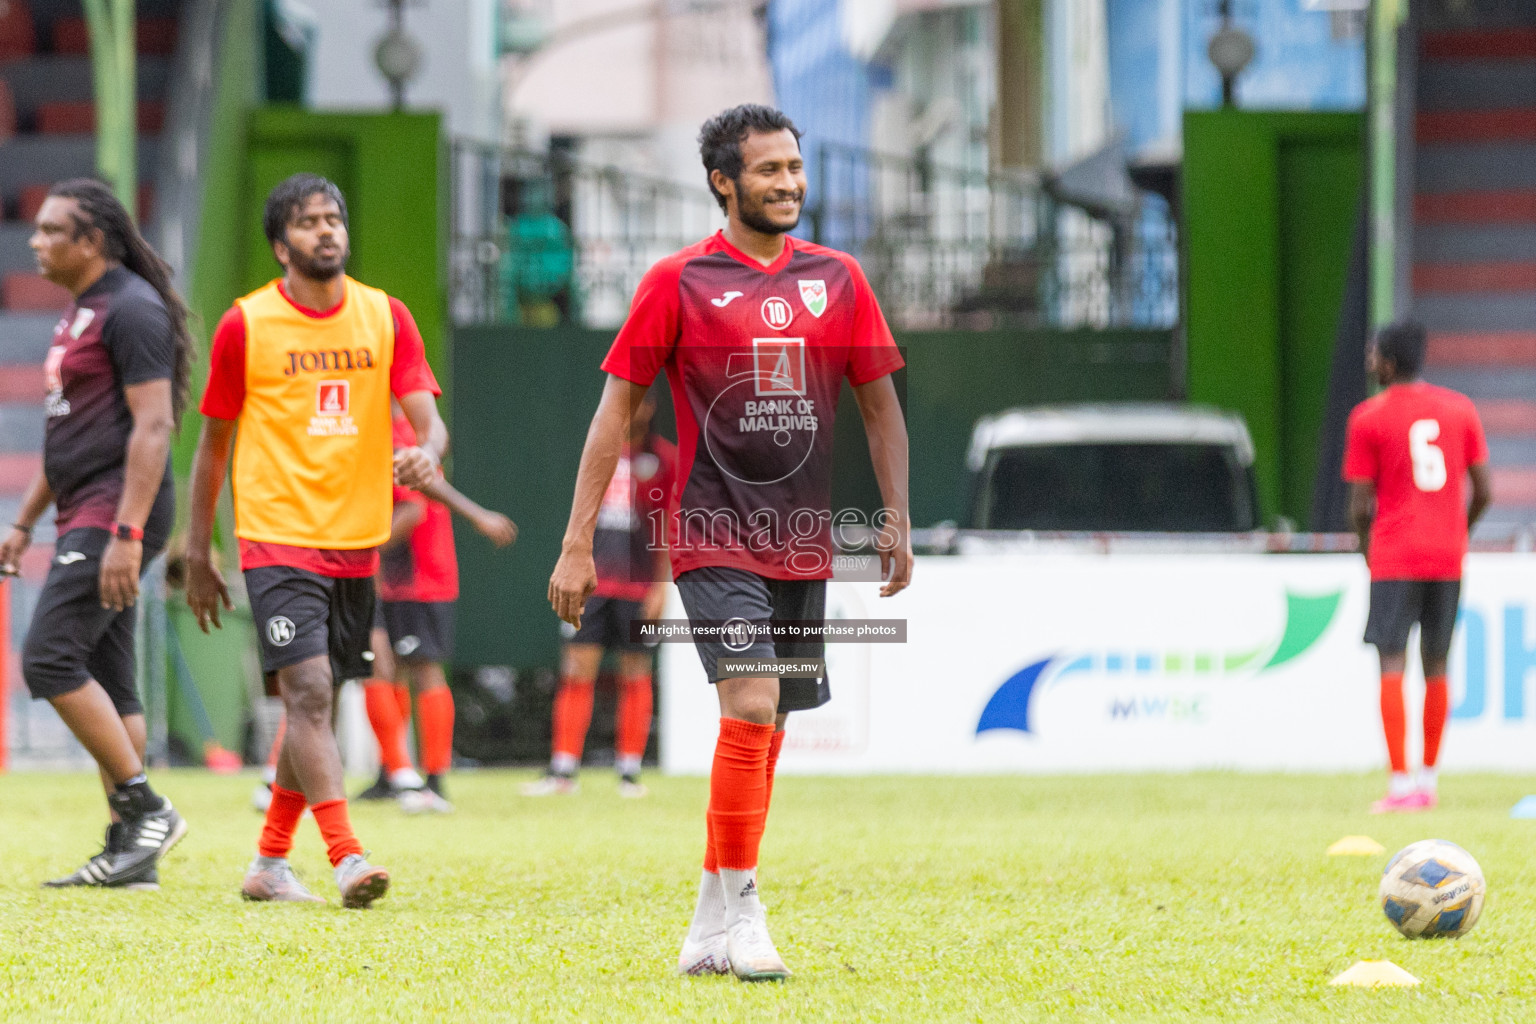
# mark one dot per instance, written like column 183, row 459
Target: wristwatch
column 122, row 531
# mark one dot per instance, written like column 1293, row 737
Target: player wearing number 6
column 1406, row 453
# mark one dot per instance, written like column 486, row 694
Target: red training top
column 424, row 568
column 225, row 396
column 630, row 538
column 756, row 356
column 1415, row 441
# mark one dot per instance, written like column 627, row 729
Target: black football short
column 420, row 631
column 72, row 638
column 716, row 594
column 606, row 621
column 1397, row 604
column 301, row 615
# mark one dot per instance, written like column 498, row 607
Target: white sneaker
column 705, row 957
column 423, row 801
column 751, row 951
column 631, row 788
column 551, row 784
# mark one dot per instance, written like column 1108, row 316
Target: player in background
column 631, row 584
column 306, row 366
column 117, row 376
column 387, row 695
column 757, row 331
column 1406, row 453
column 418, row 584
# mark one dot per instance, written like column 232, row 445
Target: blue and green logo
column 1306, row 620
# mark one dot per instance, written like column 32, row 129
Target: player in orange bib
column 306, row 366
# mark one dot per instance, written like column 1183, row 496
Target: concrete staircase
column 1474, row 238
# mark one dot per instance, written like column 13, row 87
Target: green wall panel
column 525, row 397
column 1269, row 212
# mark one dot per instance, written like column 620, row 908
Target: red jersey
column 756, row 356
column 225, row 396
column 631, row 522
column 424, row 568
column 1415, row 441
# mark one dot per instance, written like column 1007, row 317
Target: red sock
column 632, row 727
column 388, row 729
column 738, row 792
column 1436, row 704
column 283, row 815
column 336, row 830
column 435, row 708
column 1394, row 720
column 573, row 713
column 277, row 743
column 711, row 863
column 774, row 746
column 403, row 701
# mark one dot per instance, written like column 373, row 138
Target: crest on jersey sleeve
column 814, row 295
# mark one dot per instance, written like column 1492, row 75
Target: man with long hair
column 117, row 376
column 306, row 366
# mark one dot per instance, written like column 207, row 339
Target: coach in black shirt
column 117, row 377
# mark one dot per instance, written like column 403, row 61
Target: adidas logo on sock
column 750, row 889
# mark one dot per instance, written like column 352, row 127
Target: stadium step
column 1507, row 417
column 1495, row 348
column 1474, row 277
column 1505, row 43
column 1489, row 206
column 21, row 383
column 1477, row 126
column 25, row 337
column 17, row 470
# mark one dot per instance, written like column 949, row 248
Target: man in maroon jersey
column 117, row 374
column 1406, row 453
column 757, row 331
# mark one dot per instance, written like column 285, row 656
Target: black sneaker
column 435, row 784
column 145, row 839
column 380, row 790
column 95, row 870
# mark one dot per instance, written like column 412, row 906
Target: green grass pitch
column 1131, row 898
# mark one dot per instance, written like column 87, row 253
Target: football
column 1432, row 889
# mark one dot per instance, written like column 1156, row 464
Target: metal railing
column 545, row 238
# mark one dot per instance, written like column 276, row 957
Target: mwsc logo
column 1307, row 619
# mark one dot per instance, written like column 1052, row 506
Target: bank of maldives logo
column 1306, row 620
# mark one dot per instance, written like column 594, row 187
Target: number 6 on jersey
column 1428, row 460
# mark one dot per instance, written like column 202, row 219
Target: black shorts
column 301, row 615
column 420, row 631
column 718, row 594
column 72, row 638
column 1397, row 604
column 605, row 621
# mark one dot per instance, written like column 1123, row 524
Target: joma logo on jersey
column 778, row 366
column 328, row 361
column 333, row 398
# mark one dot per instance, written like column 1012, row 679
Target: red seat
column 151, row 117
column 18, row 37
column 156, row 36
column 29, row 201
column 70, row 35
column 78, row 117
column 152, row 36
column 33, row 293
column 7, row 110
column 66, row 117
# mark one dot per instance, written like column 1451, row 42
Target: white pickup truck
column 1113, row 468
